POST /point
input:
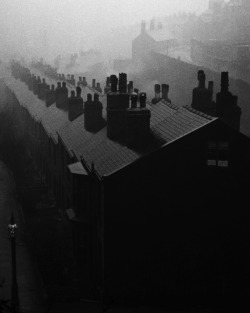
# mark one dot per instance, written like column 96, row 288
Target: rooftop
column 168, row 123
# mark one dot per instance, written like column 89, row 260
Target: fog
column 48, row 27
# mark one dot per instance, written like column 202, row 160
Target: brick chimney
column 93, row 83
column 226, row 104
column 84, row 82
column 138, row 122
column 157, row 97
column 130, row 87
column 79, row 83
column 93, row 120
column 117, row 105
column 58, row 93
column 75, row 104
column 42, row 90
column 98, row 87
column 36, row 85
column 61, row 95
column 165, row 91
column 50, row 96
column 31, row 82
column 107, row 88
column 72, row 80
column 202, row 96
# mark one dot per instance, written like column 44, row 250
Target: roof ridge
column 172, row 106
column 94, row 90
column 189, row 108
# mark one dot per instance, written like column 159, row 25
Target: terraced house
column 155, row 193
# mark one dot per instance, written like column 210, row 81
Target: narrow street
column 31, row 292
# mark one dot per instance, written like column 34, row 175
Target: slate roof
column 168, row 123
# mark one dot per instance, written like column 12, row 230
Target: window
column 218, row 154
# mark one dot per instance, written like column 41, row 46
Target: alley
column 31, row 295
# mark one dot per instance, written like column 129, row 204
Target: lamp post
column 14, row 287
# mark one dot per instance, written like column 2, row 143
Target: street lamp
column 14, row 287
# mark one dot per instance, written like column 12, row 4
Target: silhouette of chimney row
column 71, row 80
column 225, row 107
column 127, row 121
column 96, row 86
column 82, row 81
column 161, row 92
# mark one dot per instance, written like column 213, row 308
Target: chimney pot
column 96, row 97
column 108, row 82
column 122, row 82
column 143, row 97
column 134, row 99
column 113, row 82
column 78, row 91
column 89, row 97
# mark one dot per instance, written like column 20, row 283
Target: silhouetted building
column 147, row 42
column 155, row 194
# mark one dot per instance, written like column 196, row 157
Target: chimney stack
column 42, row 90
column 93, row 120
column 50, row 96
column 117, row 105
column 130, row 87
column 79, row 83
column 143, row 97
column 75, row 104
column 98, row 87
column 165, row 91
column 72, row 80
column 201, row 100
column 226, row 104
column 93, row 83
column 84, row 82
column 62, row 95
column 114, row 83
column 122, row 83
column 134, row 99
column 37, row 85
column 138, row 123
column 211, row 89
column 157, row 97
column 107, row 87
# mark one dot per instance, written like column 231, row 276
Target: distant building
column 156, row 195
column 155, row 40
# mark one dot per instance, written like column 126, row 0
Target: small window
column 218, row 154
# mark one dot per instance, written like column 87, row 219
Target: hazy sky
column 68, row 20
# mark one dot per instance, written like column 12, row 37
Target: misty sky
column 24, row 22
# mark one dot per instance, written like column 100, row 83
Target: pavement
column 32, row 295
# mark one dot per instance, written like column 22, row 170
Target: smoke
column 45, row 28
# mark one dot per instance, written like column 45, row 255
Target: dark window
column 218, row 154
